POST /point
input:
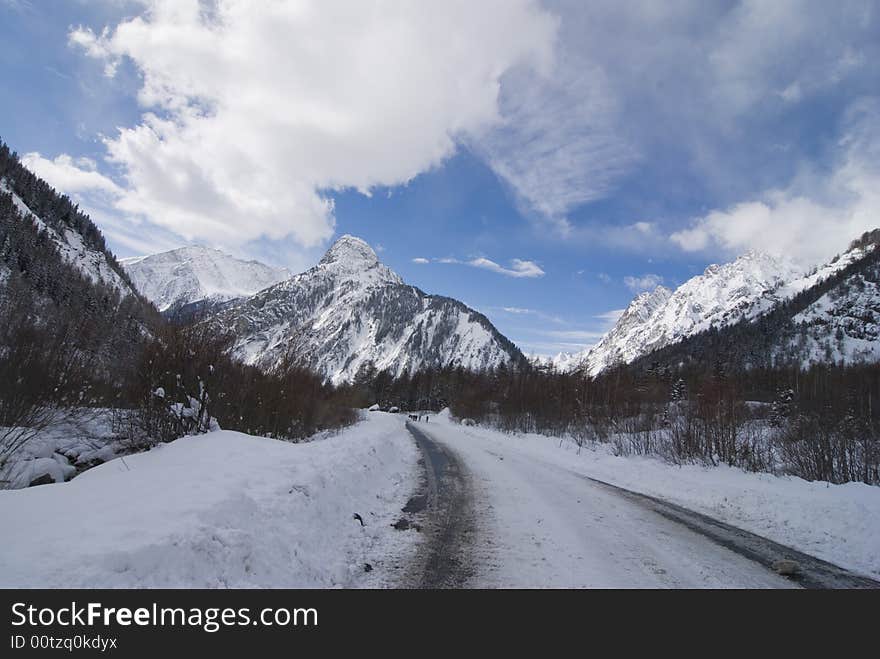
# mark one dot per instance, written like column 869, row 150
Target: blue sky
column 543, row 161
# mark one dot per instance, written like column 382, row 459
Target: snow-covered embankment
column 220, row 510
column 837, row 523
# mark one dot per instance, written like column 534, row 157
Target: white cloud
column 704, row 95
column 253, row 118
column 646, row 282
column 254, row 115
column 795, row 47
column 813, row 219
column 95, row 46
column 518, row 267
column 612, row 316
column 550, row 342
column 557, row 145
column 420, row 260
column 69, row 175
column 575, row 335
column 522, row 311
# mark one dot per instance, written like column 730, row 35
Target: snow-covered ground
column 220, row 510
column 231, row 510
column 838, row 523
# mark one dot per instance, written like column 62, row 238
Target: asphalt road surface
column 491, row 519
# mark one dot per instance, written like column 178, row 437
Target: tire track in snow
column 813, row 573
column 446, row 508
column 677, row 548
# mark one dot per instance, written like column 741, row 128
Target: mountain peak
column 350, row 250
column 659, row 292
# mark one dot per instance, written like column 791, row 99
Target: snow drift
column 219, row 510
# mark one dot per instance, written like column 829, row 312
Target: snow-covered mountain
column 829, row 315
column 843, row 323
column 626, row 340
column 351, row 313
column 188, row 275
column 744, row 289
column 80, row 247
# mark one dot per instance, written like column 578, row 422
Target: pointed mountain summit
column 350, row 250
column 351, row 315
column 352, row 258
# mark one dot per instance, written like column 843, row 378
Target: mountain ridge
column 198, row 275
column 724, row 294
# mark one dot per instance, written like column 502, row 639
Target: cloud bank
column 646, row 282
column 817, row 215
column 252, row 117
column 251, row 120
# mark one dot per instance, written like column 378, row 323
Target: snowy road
column 536, row 524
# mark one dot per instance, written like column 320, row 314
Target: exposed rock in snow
column 351, row 312
column 189, row 275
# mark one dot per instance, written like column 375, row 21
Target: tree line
column 822, row 423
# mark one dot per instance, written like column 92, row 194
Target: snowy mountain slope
column 625, row 340
column 96, row 264
column 746, row 288
column 194, row 274
column 351, row 312
column 831, row 315
column 843, row 325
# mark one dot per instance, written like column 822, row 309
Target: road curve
column 496, row 518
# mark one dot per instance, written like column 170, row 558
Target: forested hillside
column 78, row 342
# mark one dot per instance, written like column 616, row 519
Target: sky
column 543, row 162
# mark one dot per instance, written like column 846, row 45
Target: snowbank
column 220, row 510
column 838, row 523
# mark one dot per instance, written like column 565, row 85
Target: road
column 505, row 519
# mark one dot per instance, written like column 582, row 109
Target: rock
column 43, row 471
column 786, row 567
column 368, row 567
column 45, row 479
column 403, row 524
